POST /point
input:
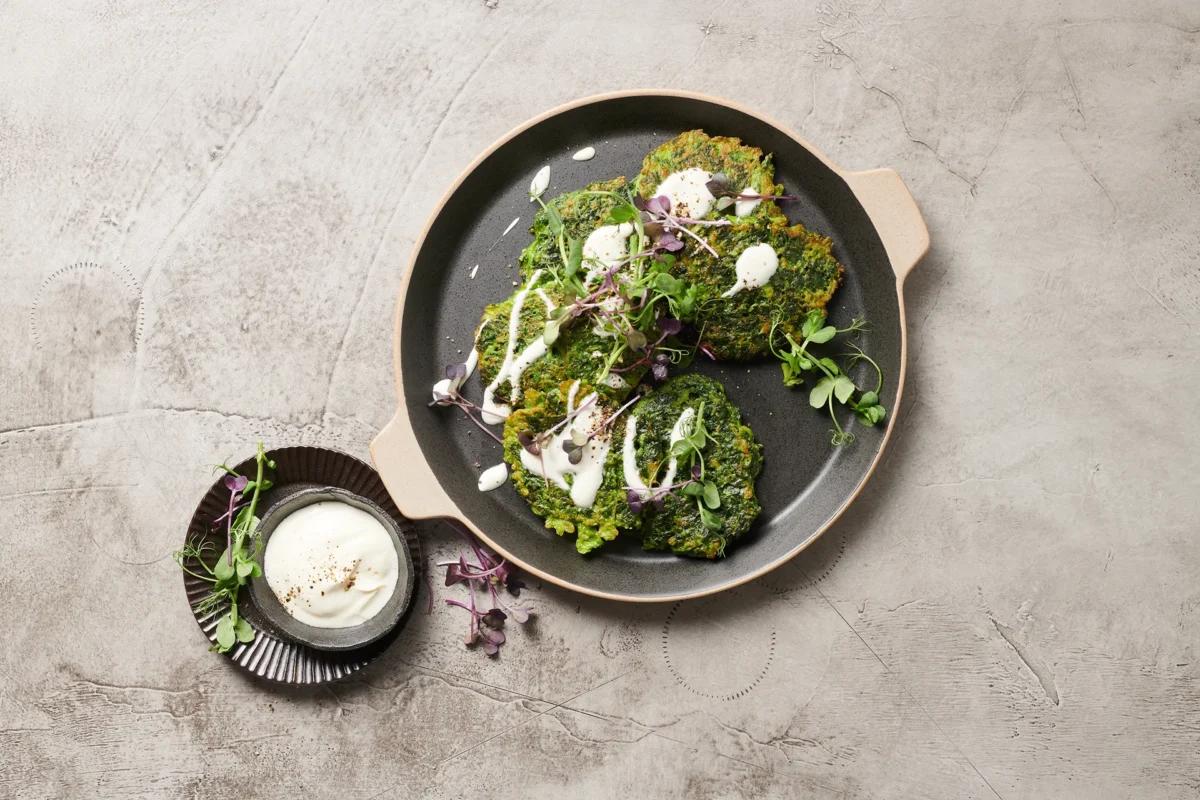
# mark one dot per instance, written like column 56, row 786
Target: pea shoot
column 833, row 384
column 241, row 559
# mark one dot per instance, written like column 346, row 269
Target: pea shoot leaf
column 225, row 633
column 819, row 395
column 843, row 388
column 243, row 631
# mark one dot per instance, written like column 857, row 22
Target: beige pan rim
column 891, row 210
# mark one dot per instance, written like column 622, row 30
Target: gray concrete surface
column 191, row 191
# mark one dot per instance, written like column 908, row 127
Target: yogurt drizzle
column 632, row 474
column 688, row 193
column 743, row 207
column 755, row 266
column 493, row 477
column 606, row 247
column 554, row 464
column 493, row 412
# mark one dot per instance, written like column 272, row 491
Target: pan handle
column 895, row 215
column 406, row 474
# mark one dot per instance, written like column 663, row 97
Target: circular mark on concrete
column 711, row 651
column 810, row 567
column 88, row 308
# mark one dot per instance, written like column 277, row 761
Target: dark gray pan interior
column 804, row 481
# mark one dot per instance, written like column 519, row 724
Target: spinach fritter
column 609, row 513
column 579, row 353
column 581, row 212
column 742, row 165
column 732, row 461
column 737, row 327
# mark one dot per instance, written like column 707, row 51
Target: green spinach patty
column 732, row 459
column 565, row 438
column 737, row 327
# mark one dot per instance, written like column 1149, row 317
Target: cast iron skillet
column 430, row 458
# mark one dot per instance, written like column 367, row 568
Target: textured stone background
column 204, row 213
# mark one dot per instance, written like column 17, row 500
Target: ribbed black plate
column 270, row 655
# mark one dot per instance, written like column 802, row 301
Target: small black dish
column 334, row 639
column 272, row 655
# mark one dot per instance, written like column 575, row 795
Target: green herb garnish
column 832, row 384
column 241, row 559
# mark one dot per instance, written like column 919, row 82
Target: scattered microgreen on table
column 241, row 559
column 494, row 577
column 833, row 384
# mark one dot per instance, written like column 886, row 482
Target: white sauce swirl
column 743, row 207
column 493, row 477
column 554, row 464
column 539, row 184
column 446, row 386
column 606, row 247
column 513, row 366
column 688, row 193
column 755, row 266
column 629, row 466
column 331, row 565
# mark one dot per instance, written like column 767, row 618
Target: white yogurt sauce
column 755, row 266
column 513, row 366
column 629, row 466
column 682, row 428
column 493, row 477
column 540, row 292
column 447, row 386
column 585, row 154
column 539, row 184
column 688, row 194
column 554, row 465
column 331, row 565
column 606, row 247
column 743, row 207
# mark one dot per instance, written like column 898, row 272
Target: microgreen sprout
column 239, row 562
column 687, row 451
column 446, row 393
column 491, row 574
column 833, row 384
column 657, row 219
column 719, row 187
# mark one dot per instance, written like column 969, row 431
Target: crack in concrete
column 227, row 148
column 340, row 352
column 527, row 720
column 904, row 688
column 1044, row 675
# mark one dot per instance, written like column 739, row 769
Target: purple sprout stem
column 233, row 495
column 620, row 411
column 704, row 244
column 465, row 406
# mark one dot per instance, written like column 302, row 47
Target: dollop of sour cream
column 540, row 182
column 493, row 477
column 688, row 193
column 331, row 565
column 743, row 207
column 606, row 247
column 754, row 267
